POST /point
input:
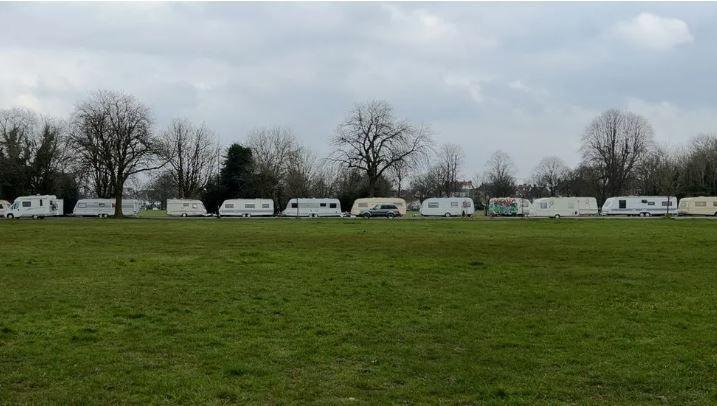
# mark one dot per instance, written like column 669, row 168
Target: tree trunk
column 371, row 186
column 118, row 202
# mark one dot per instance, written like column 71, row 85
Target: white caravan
column 246, row 208
column 104, row 207
column 640, row 206
column 363, row 204
column 185, row 207
column 4, row 207
column 698, row 206
column 36, row 207
column 557, row 207
column 447, row 206
column 321, row 207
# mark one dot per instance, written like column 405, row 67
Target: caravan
column 185, row 207
column 104, row 208
column 313, row 208
column 643, row 206
column 36, row 207
column 447, row 206
column 4, row 207
column 698, row 206
column 366, row 203
column 246, row 208
column 557, row 207
column 508, row 206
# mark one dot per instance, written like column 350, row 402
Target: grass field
column 336, row 311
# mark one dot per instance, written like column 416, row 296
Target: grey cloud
column 524, row 78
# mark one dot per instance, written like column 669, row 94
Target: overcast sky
column 523, row 78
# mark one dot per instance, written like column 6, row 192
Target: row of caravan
column 452, row 206
column 643, row 206
column 40, row 206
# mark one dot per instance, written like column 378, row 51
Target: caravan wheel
column 10, row 216
column 34, row 216
column 648, row 214
column 557, row 216
column 184, row 214
column 447, row 215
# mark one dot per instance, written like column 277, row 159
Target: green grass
column 335, row 311
column 152, row 214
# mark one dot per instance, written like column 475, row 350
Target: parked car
column 382, row 210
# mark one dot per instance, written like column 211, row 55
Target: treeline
column 110, row 141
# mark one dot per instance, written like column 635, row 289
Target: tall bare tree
column 112, row 133
column 51, row 155
column 550, row 173
column 372, row 140
column 499, row 175
column 277, row 157
column 450, row 162
column 658, row 173
column 699, row 167
column 191, row 153
column 614, row 143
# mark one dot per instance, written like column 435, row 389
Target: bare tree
column 499, row 175
column 191, row 153
column 277, row 156
column 373, row 141
column 698, row 167
column 450, row 162
column 550, row 173
column 112, row 134
column 51, row 155
column 614, row 143
column 427, row 184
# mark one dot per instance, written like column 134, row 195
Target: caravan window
column 82, row 205
column 644, row 201
column 185, row 204
column 543, row 205
column 332, row 205
column 363, row 205
column 294, row 205
column 433, row 205
column 249, row 206
column 454, row 204
column 650, row 203
column 665, row 204
column 622, row 204
column 265, row 205
column 322, row 204
column 26, row 204
column 229, row 205
column 102, row 204
column 194, row 206
column 714, row 204
column 40, row 202
column 700, row 204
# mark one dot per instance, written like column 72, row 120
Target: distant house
column 464, row 189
